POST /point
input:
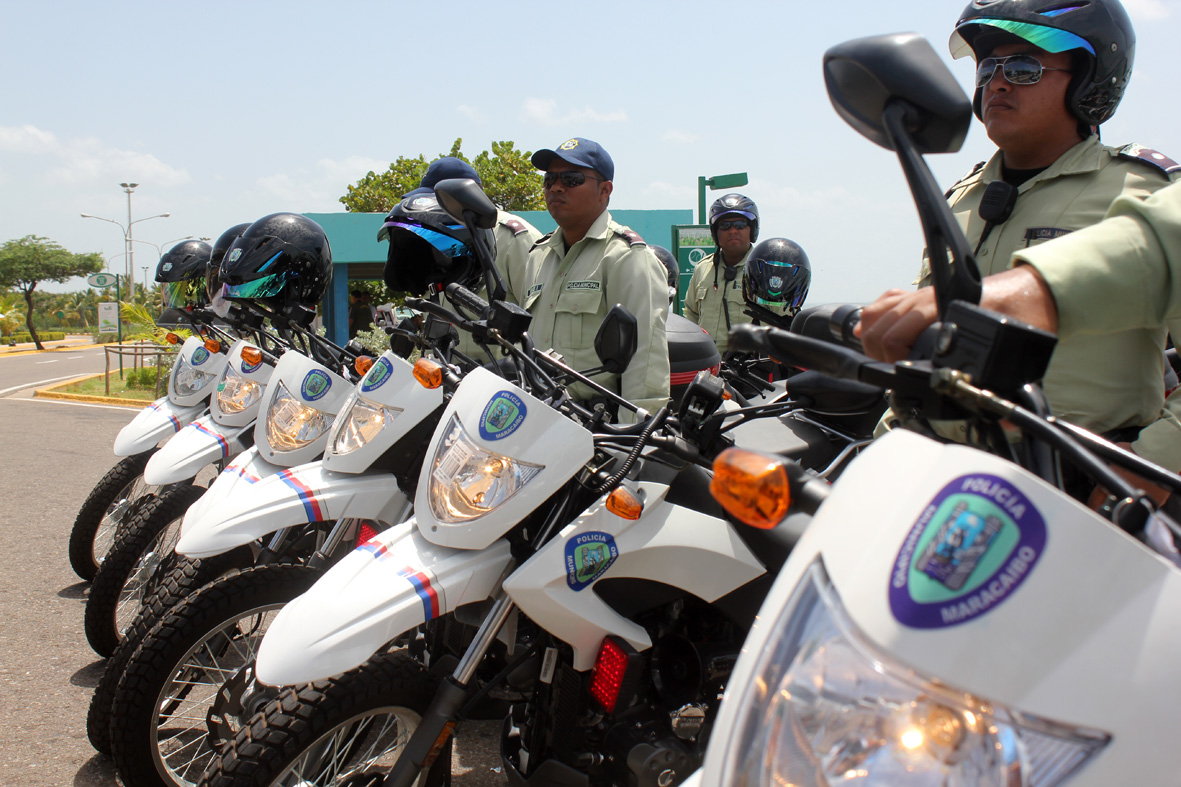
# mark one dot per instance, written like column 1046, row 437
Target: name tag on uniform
column 532, row 291
column 1044, row 233
column 583, row 286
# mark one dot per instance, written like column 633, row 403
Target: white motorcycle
column 951, row 616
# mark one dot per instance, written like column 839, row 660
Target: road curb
column 70, row 347
column 52, row 393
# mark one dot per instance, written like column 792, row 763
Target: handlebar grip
column 462, row 295
column 844, row 319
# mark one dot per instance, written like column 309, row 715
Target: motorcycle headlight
column 362, row 422
column 468, row 481
column 290, row 424
column 826, row 707
column 189, row 380
column 237, row 392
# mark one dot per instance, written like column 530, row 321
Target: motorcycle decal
column 225, row 446
column 588, row 556
column 175, row 421
column 378, row 375
column 306, row 495
column 418, row 579
column 502, row 416
column 969, row 551
column 199, row 356
column 250, row 368
column 315, row 385
column 241, row 471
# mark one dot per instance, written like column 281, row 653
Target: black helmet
column 670, row 264
column 428, row 247
column 1097, row 32
column 220, row 247
column 282, row 260
column 737, row 204
column 777, row 275
column 182, row 271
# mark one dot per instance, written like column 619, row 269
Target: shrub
column 45, row 336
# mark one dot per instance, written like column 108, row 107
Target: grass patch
column 119, row 388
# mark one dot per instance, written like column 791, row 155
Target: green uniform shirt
column 1122, row 274
column 573, row 290
column 704, row 298
column 1097, row 381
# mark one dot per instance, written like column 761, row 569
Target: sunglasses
column 569, row 180
column 738, row 224
column 1018, row 69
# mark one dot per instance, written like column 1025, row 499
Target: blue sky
column 224, row 112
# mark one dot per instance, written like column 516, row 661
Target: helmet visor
column 266, row 287
column 180, row 294
column 444, row 244
column 1050, row 39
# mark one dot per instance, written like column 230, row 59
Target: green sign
column 101, row 280
column 692, row 243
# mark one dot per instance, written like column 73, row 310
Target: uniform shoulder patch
column 979, row 166
column 516, row 225
column 541, row 241
column 631, row 236
column 1149, row 156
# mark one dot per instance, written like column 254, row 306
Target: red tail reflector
column 366, row 533
column 611, row 672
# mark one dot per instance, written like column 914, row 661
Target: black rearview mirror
column 863, row 76
column 465, row 201
column 617, row 339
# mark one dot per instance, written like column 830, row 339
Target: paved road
column 54, row 453
column 18, row 371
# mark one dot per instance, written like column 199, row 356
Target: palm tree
column 12, row 312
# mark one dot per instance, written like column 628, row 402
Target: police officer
column 589, row 264
column 713, row 298
column 1045, row 82
column 1121, row 274
column 514, row 236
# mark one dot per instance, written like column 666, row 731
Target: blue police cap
column 579, row 152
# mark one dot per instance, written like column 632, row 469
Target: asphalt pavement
column 54, row 453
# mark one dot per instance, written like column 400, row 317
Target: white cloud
column 680, row 137
column 544, row 111
column 1146, row 10
column 84, row 160
column 318, row 188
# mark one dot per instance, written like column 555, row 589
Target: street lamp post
column 716, row 182
column 128, row 238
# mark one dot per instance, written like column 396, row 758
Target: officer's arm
column 690, row 307
column 638, row 282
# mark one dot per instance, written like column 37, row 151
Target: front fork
column 439, row 720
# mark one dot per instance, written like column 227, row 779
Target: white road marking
column 55, row 360
column 75, row 404
column 40, row 383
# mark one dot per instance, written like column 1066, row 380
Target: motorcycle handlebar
column 465, row 297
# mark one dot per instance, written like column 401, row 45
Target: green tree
column 509, row 180
column 12, row 312
column 27, row 262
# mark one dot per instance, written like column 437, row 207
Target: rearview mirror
column 465, row 201
column 863, row 76
column 617, row 339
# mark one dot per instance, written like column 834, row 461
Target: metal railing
column 140, row 352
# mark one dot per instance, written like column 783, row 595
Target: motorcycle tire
column 181, row 690
column 109, row 504
column 287, row 740
column 140, row 557
column 179, row 584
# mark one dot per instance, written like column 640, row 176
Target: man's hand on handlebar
column 890, row 325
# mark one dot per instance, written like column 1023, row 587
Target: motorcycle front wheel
column 335, row 731
column 140, row 557
column 112, row 502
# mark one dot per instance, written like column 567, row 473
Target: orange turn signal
column 428, row 373
column 252, row 355
column 752, row 487
column 213, row 345
column 624, row 503
column 363, row 364
column 172, row 338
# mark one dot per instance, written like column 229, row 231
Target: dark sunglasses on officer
column 1017, row 69
column 738, row 224
column 570, row 179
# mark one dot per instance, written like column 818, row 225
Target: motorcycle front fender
column 202, row 442
column 158, row 420
column 294, row 496
column 247, row 469
column 395, row 582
